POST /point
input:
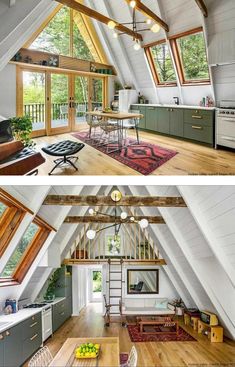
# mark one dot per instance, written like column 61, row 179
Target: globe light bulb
column 111, row 24
column 123, row 215
column 115, row 35
column 148, row 21
column 91, row 211
column 133, row 4
column 143, row 223
column 137, row 46
column 91, row 234
column 132, row 219
column 155, row 28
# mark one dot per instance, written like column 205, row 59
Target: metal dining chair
column 42, row 358
column 132, row 124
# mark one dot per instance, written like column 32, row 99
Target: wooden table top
column 109, row 353
column 116, row 116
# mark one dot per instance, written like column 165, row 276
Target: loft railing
column 59, row 111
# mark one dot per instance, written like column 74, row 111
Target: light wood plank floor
column 193, row 159
column 194, row 354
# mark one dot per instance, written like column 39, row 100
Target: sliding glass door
column 81, row 100
column 59, row 117
column 34, row 100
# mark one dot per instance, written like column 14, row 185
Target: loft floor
column 192, row 159
column 194, row 354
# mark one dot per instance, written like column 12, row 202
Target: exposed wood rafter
column 150, row 14
column 203, row 7
column 91, row 200
column 100, row 17
column 128, row 261
column 107, row 219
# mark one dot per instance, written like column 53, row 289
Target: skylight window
column 161, row 64
column 3, row 207
column 191, row 58
column 20, row 250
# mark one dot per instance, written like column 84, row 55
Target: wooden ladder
column 115, row 282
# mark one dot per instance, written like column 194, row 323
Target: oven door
column 46, row 323
column 226, row 131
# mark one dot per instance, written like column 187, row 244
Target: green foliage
column 194, row 59
column 163, row 63
column 53, row 284
column 22, row 128
column 97, row 281
column 2, row 208
column 20, row 250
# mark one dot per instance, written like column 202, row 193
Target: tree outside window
column 163, row 63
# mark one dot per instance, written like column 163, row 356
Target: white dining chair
column 132, row 359
column 41, row 359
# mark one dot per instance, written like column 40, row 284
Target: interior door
column 80, row 101
column 59, row 104
column 34, row 100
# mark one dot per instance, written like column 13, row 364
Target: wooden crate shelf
column 214, row 333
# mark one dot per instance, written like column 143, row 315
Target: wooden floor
column 201, row 353
column 192, row 159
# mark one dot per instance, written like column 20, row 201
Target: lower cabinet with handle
column 59, row 314
column 20, row 342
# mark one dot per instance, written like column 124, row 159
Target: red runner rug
column 143, row 158
column 136, row 337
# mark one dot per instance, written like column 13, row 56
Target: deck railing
column 36, row 111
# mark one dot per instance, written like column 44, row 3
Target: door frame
column 91, row 270
column 71, row 93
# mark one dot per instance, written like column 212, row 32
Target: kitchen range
column 225, row 124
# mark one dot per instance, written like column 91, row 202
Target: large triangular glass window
column 63, row 38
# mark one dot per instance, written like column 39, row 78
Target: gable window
column 161, row 63
column 190, row 56
column 11, row 215
column 25, row 252
column 66, row 34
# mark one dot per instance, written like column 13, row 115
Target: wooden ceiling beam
column 203, row 7
column 92, row 201
column 106, row 219
column 73, row 4
column 150, row 14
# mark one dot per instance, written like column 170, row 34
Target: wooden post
column 149, row 245
column 84, row 241
column 144, row 244
column 139, row 243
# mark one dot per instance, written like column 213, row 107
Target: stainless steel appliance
column 225, row 124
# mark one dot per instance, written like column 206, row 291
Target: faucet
column 177, row 100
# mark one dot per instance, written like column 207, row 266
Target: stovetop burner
column 36, row 305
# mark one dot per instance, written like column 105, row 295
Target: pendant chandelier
column 155, row 28
column 116, row 196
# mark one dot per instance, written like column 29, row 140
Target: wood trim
column 186, row 33
column 178, row 59
column 41, row 222
column 105, row 219
column 150, row 14
column 43, row 25
column 101, row 261
column 9, row 198
column 154, row 70
column 30, row 255
column 202, row 7
column 9, row 224
column 100, row 17
column 155, row 43
column 90, row 200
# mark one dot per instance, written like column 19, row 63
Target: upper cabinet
column 221, row 48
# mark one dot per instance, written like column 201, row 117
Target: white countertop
column 174, row 106
column 15, row 318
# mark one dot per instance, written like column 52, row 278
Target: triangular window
column 63, row 38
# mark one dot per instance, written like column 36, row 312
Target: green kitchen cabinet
column 68, row 307
column 1, row 350
column 163, row 125
column 13, row 346
column 176, row 122
column 32, row 335
column 142, row 111
column 59, row 315
column 151, row 118
column 199, row 125
column 64, row 282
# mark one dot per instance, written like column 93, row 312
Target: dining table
column 120, row 118
column 108, row 356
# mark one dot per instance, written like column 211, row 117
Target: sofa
column 146, row 306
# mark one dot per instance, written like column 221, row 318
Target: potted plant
column 179, row 306
column 22, row 128
column 52, row 286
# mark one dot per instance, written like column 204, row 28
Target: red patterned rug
column 144, row 158
column 136, row 337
